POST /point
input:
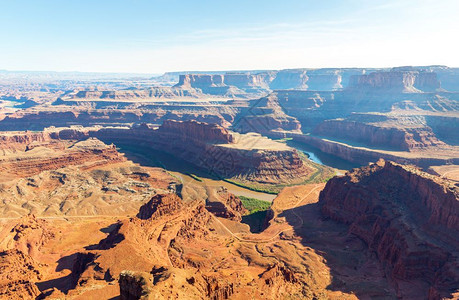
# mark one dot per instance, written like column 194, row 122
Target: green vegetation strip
column 274, row 190
column 194, row 177
column 254, row 205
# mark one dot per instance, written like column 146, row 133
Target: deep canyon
column 337, row 183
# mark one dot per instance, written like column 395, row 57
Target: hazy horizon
column 153, row 37
column 211, row 71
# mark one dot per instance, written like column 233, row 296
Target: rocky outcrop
column 218, row 288
column 325, row 79
column 247, row 81
column 135, row 285
column 277, row 275
column 18, row 275
column 449, row 77
column 232, row 201
column 29, row 235
column 397, row 80
column 200, row 80
column 226, row 205
column 143, row 285
column 160, row 205
column 409, row 218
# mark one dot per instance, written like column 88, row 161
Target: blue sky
column 170, row 35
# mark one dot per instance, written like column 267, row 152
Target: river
column 322, row 158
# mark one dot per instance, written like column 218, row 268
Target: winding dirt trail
column 267, row 240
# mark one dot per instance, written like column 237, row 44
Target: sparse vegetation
column 254, row 205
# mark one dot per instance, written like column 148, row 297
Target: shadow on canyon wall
column 353, row 267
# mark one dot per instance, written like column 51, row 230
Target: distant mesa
column 397, row 80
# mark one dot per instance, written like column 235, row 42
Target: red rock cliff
column 409, row 218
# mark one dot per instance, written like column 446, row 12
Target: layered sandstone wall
column 202, row 132
column 409, row 218
column 21, row 140
column 397, row 138
column 449, row 78
column 302, row 79
column 90, row 117
column 445, row 127
column 89, row 153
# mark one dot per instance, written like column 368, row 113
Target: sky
column 155, row 36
